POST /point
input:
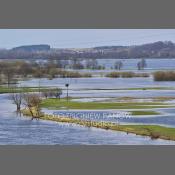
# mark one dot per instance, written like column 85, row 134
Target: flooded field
column 15, row 130
column 99, row 83
column 21, row 130
column 108, row 87
column 165, row 118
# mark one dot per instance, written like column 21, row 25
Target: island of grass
column 152, row 131
column 150, row 112
column 57, row 104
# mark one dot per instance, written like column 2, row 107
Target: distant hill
column 160, row 49
column 32, row 48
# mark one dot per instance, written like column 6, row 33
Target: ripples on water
column 19, row 130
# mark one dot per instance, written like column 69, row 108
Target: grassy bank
column 21, row 89
column 59, row 104
column 152, row 131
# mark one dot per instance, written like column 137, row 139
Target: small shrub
column 155, row 135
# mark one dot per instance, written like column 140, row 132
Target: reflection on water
column 129, row 64
column 21, row 130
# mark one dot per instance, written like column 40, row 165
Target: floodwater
column 23, row 131
column 106, row 87
column 99, row 83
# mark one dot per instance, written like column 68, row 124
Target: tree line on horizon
column 158, row 49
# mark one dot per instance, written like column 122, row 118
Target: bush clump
column 127, row 74
column 164, row 76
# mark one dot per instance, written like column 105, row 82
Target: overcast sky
column 80, row 38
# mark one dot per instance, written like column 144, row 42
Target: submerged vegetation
column 126, row 74
column 12, row 71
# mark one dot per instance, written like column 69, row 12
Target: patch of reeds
column 126, row 74
column 164, row 76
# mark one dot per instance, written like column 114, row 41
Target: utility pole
column 39, row 82
column 67, row 86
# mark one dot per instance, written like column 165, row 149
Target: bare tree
column 141, row 64
column 32, row 103
column 17, row 99
column 91, row 64
column 118, row 65
column 57, row 92
column 45, row 93
column 76, row 64
column 9, row 73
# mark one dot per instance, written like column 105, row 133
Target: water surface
column 23, row 131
